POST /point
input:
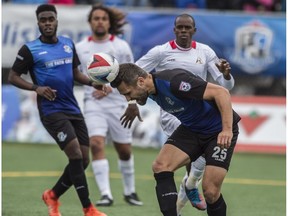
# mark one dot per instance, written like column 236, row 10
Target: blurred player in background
column 199, row 59
column 208, row 126
column 53, row 65
column 103, row 110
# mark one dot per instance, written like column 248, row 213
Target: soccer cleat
column 133, row 199
column 52, row 202
column 196, row 198
column 104, row 201
column 92, row 211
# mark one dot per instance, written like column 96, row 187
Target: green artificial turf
column 254, row 186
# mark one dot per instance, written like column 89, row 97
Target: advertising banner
column 253, row 44
column 262, row 128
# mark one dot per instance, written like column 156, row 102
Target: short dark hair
column 116, row 17
column 128, row 73
column 45, row 7
column 185, row 15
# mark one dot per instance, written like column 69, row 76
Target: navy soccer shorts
column 66, row 127
column 195, row 145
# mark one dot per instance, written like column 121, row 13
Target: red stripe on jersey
column 98, row 61
column 90, row 38
column 193, row 44
column 174, row 45
column 111, row 38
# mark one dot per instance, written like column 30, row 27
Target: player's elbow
column 223, row 92
column 12, row 77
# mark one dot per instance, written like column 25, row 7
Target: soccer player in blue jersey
column 52, row 63
column 208, row 126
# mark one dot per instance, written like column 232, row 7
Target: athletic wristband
column 132, row 102
column 34, row 87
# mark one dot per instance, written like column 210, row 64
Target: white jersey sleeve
column 124, row 54
column 212, row 59
column 151, row 60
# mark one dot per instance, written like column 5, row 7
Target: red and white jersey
column 115, row 46
column 199, row 59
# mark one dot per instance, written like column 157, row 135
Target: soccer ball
column 102, row 68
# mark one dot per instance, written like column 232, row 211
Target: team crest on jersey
column 67, row 49
column 184, row 86
column 199, row 61
column 169, row 101
column 61, row 136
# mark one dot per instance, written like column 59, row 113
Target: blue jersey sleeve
column 187, row 85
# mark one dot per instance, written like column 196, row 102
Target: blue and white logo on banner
column 252, row 51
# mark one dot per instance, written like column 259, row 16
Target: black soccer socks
column 166, row 193
column 218, row 208
column 78, row 178
column 64, row 183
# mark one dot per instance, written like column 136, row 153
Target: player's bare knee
column 211, row 195
column 125, row 156
column 123, row 150
column 158, row 166
column 96, row 147
column 124, row 153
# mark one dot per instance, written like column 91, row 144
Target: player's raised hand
column 98, row 94
column 99, row 86
column 130, row 114
column 224, row 67
column 46, row 92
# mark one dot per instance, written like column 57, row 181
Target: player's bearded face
column 138, row 93
column 100, row 23
column 142, row 96
column 47, row 23
column 48, row 34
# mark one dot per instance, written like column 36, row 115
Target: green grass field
column 254, row 186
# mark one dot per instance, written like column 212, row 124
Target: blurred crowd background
column 247, row 5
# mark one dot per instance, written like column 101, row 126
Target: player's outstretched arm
column 83, row 79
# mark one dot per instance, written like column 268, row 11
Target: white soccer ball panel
column 102, row 68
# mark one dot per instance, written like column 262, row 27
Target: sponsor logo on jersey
column 61, row 136
column 58, row 62
column 171, row 60
column 169, row 100
column 67, row 49
column 181, row 109
column 184, row 86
